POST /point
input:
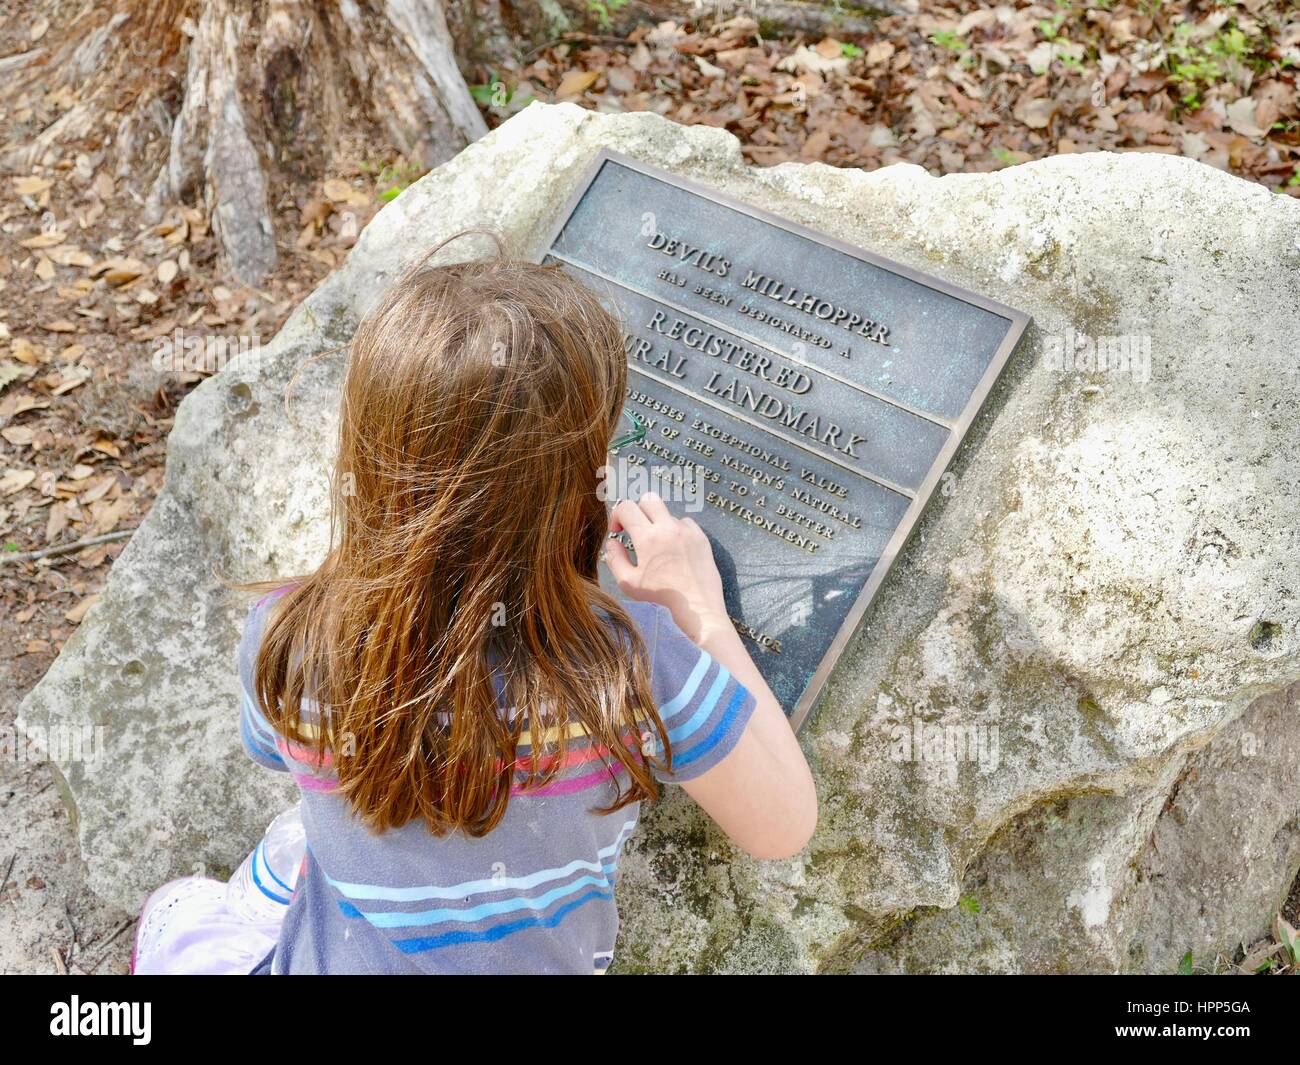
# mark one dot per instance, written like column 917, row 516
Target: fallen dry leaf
column 70, row 255
column 807, row 59
column 25, row 351
column 9, row 373
column 1036, row 114
column 69, row 382
column 575, row 83
column 15, row 481
column 44, row 240
column 99, row 490
column 118, row 270
column 108, row 514
column 56, row 521
column 880, row 52
column 31, row 186
column 1241, row 117
column 18, row 435
column 78, row 612
column 708, row 69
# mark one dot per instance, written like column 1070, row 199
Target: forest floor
column 89, row 294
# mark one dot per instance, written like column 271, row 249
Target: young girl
column 472, row 722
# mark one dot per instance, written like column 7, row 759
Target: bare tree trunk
column 227, row 100
column 230, row 102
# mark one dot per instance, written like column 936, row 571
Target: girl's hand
column 674, row 565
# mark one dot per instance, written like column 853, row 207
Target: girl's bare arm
column 762, row 793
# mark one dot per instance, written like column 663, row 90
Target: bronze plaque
column 803, row 396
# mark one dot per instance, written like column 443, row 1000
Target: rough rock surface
column 1132, row 882
column 1107, row 583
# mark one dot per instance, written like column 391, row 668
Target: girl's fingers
column 627, row 515
column 653, row 507
column 618, row 561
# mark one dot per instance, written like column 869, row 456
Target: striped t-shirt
column 535, row 895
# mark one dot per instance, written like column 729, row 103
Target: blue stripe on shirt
column 448, row 939
column 255, row 750
column 481, row 887
column 701, row 715
column 683, row 697
column 399, row 919
column 715, row 737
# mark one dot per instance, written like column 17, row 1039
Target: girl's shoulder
column 255, row 626
column 702, row 707
column 665, row 643
column 648, row 618
column 273, row 595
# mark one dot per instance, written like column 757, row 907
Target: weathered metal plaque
column 803, row 396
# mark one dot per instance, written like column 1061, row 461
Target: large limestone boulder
column 1104, row 587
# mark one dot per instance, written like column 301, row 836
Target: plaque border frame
column 1018, row 322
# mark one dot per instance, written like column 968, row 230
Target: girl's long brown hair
column 478, row 406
